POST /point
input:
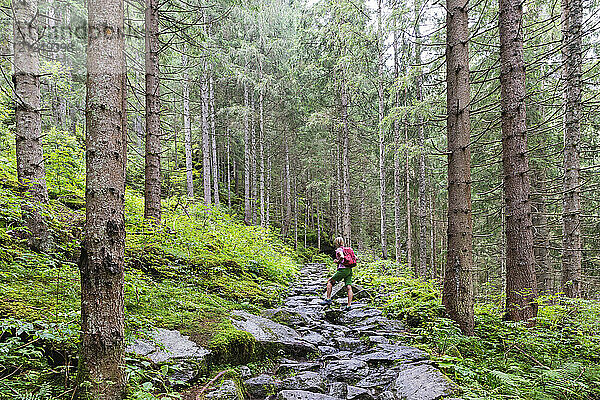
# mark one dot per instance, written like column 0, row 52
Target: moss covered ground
column 187, row 274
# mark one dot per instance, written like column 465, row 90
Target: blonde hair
column 338, row 242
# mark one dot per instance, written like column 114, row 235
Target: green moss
column 232, row 346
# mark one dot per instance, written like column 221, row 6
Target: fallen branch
column 213, row 380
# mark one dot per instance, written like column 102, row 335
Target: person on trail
column 346, row 260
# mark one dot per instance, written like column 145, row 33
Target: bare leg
column 329, row 289
column 350, row 295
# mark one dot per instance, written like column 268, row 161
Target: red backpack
column 349, row 257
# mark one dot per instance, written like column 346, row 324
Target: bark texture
column 345, row 189
column 206, row 147
column 30, row 157
column 521, row 289
column 213, row 142
column 572, row 16
column 247, row 203
column 457, row 294
column 152, row 190
column 381, row 101
column 102, row 256
column 422, row 209
column 187, row 128
column 397, row 172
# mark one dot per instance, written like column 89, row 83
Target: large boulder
column 422, row 382
column 171, row 347
column 272, row 335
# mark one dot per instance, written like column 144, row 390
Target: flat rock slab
column 388, row 353
column 346, row 370
column 422, row 382
column 262, row 385
column 167, row 345
column 378, row 380
column 307, row 381
column 303, row 395
column 270, row 333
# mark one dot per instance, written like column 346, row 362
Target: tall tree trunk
column 407, row 191
column 345, row 189
column 287, row 220
column 268, row 193
column 187, row 127
column 261, row 155
column 213, row 141
column 28, row 132
column 247, row 204
column 521, row 289
column 228, row 168
column 457, row 294
column 422, row 210
column 152, row 208
column 206, row 146
column 541, row 237
column 253, row 163
column 318, row 224
column 380, row 94
column 397, row 176
column 103, row 254
column 572, row 16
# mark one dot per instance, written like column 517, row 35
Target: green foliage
column 556, row 359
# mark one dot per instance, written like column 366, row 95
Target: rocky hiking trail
column 326, row 353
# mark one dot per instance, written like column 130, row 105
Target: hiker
column 346, row 260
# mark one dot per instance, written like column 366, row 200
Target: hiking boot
column 347, row 308
column 325, row 302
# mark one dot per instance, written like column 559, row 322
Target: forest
column 173, row 174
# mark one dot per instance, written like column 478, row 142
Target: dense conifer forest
column 173, row 174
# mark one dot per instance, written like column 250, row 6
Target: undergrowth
column 187, row 274
column 557, row 359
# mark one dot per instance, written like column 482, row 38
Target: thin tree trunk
column 457, row 294
column 206, row 145
column 397, row 176
column 247, row 204
column 408, row 208
column 572, row 16
column 187, row 127
column 228, row 168
column 288, row 189
column 152, row 208
column 318, row 225
column 268, row 193
column 213, row 140
column 261, row 156
column 253, row 163
column 422, row 210
column 380, row 95
column 521, row 289
column 102, row 258
column 345, row 189
column 28, row 132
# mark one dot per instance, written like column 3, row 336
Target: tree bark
column 572, row 16
column 521, row 289
column 422, row 210
column 345, row 189
column 253, row 161
column 187, row 127
column 457, row 294
column 28, row 132
column 268, row 193
column 103, row 254
column 287, row 221
column 213, row 141
column 407, row 191
column 152, row 208
column 397, row 172
column 381, row 101
column 206, row 145
column 261, row 155
column 247, row 204
column 228, row 168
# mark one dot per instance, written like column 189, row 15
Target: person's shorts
column 344, row 274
